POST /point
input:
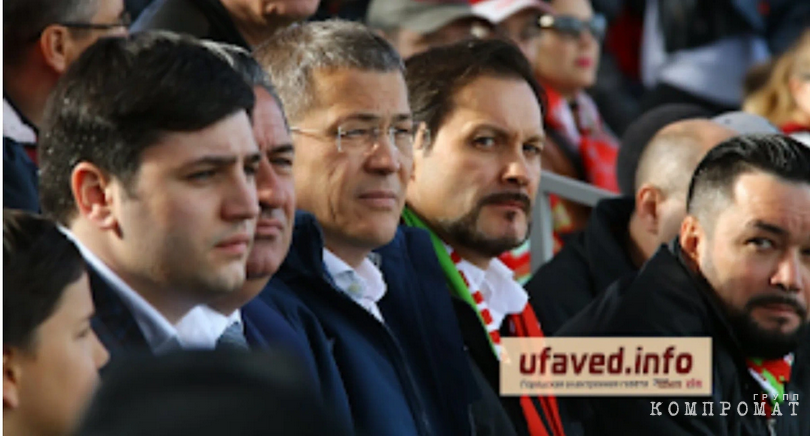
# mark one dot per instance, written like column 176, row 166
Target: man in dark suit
column 154, row 180
column 366, row 295
column 41, row 38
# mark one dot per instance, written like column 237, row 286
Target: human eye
column 354, row 132
column 251, row 168
column 202, row 175
column 532, row 149
column 760, row 243
column 484, row 141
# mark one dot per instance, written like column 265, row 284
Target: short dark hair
column 120, row 97
column 293, row 55
column 435, row 76
column 24, row 19
column 39, row 262
column 716, row 174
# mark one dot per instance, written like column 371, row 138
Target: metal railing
column 542, row 239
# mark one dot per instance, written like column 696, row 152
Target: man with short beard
column 476, row 174
column 738, row 273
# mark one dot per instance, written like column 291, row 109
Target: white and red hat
column 498, row 10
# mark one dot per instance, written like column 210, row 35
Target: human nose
column 241, row 202
column 791, row 274
column 385, row 156
column 100, row 353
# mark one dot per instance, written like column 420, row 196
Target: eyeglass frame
column 125, row 22
column 546, row 21
column 374, row 137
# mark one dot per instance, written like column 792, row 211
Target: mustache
column 503, row 197
column 764, row 300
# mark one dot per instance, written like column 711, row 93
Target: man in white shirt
column 220, row 323
column 387, row 351
column 475, row 178
column 154, row 180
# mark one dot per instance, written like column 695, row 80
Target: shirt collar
column 202, row 327
column 501, row 291
column 372, row 285
column 157, row 330
column 14, row 127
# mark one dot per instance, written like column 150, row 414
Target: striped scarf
column 524, row 324
column 772, row 376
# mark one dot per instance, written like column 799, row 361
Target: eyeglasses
column 125, row 21
column 362, row 140
column 573, row 27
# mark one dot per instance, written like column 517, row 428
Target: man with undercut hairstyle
column 41, row 38
column 154, row 180
column 622, row 233
column 739, row 273
column 476, row 175
column 357, row 287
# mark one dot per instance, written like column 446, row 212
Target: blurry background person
column 785, row 98
column 413, row 26
column 624, row 232
column 41, row 38
column 516, row 20
column 246, row 23
column 205, row 393
column 51, row 356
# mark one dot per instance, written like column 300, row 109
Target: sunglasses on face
column 573, row 27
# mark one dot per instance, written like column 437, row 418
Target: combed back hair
column 23, row 20
column 294, row 54
column 435, row 76
column 39, row 262
column 715, row 176
column 120, row 97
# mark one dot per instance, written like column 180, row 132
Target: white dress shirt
column 202, row 327
column 365, row 285
column 502, row 294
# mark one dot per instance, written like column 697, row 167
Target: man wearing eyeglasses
column 366, row 295
column 41, row 38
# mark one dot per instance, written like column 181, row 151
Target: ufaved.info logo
column 606, row 366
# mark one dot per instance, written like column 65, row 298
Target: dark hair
column 39, row 262
column 775, row 154
column 120, row 97
column 434, row 77
column 24, row 19
column 293, row 54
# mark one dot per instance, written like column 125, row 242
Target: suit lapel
column 113, row 322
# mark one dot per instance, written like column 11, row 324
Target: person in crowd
column 624, row 232
column 785, row 98
column 208, row 393
column 566, row 40
column 516, row 20
column 413, row 26
column 361, row 291
column 475, row 178
column 245, row 23
column 154, row 180
column 51, row 356
column 41, row 38
column 698, row 52
column 739, row 272
column 220, row 322
column 640, row 133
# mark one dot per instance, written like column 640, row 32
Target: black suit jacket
column 113, row 322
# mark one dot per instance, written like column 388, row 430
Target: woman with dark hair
column 51, row 356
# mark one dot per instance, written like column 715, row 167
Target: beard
column 464, row 231
column 760, row 342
